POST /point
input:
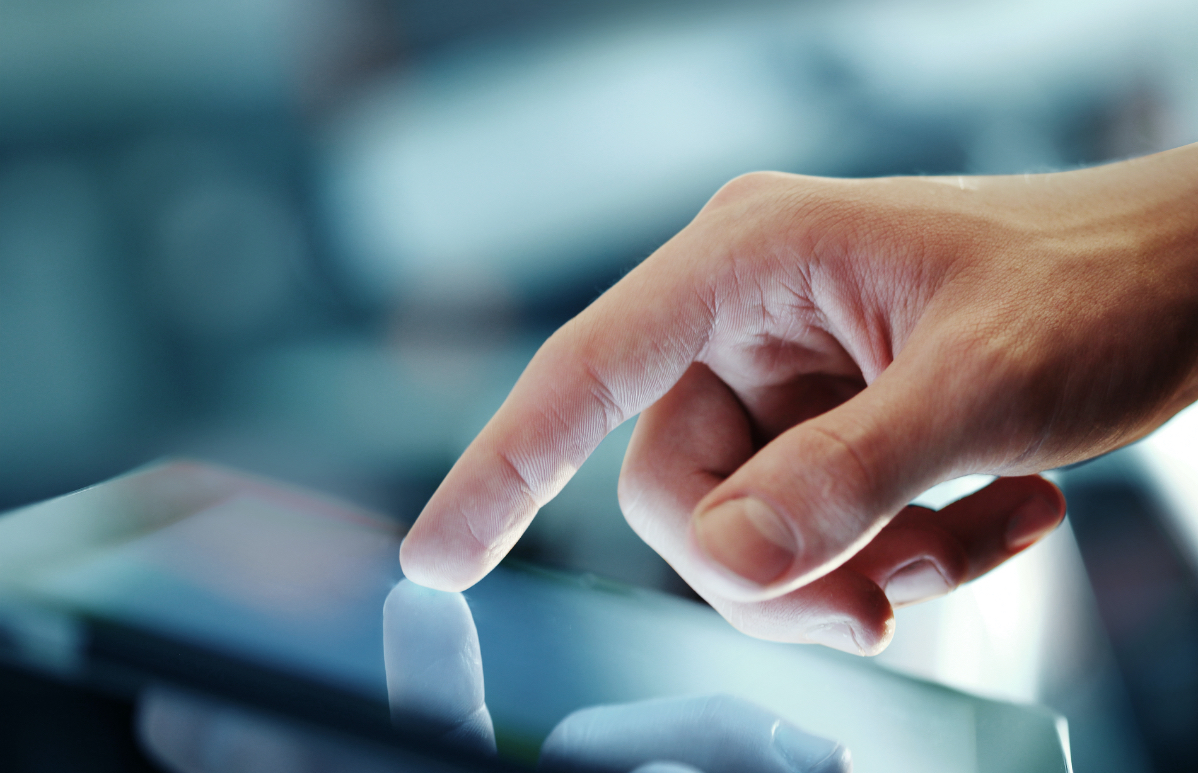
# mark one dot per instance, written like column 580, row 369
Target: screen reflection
column 435, row 681
column 578, row 669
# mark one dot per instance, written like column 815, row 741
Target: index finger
column 604, row 366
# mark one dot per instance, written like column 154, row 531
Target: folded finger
column 922, row 553
column 683, row 447
column 843, row 610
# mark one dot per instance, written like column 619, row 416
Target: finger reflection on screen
column 434, row 666
column 435, row 677
column 435, row 686
column 712, row 733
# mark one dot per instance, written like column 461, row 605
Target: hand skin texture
column 810, row 354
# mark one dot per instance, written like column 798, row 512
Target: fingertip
column 923, row 554
column 1056, row 498
column 839, row 635
column 843, row 610
column 871, row 613
column 1028, row 507
column 408, row 595
column 884, row 637
column 413, row 569
column 856, row 637
column 1044, row 489
column 418, row 562
column 1033, row 520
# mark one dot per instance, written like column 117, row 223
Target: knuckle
column 936, row 545
column 745, row 186
column 604, row 399
column 852, row 471
column 629, row 491
column 949, row 555
column 529, row 497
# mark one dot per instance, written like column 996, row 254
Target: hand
column 435, row 684
column 810, row 354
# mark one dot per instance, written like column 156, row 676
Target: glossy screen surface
column 290, row 580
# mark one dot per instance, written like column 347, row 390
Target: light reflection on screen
column 296, row 584
column 253, row 577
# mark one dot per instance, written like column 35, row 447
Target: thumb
column 820, row 491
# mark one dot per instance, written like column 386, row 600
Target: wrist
column 1149, row 206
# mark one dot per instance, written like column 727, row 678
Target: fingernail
column 838, row 636
column 1031, row 521
column 917, row 581
column 748, row 538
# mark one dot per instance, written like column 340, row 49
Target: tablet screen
column 297, row 583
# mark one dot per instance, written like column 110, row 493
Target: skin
column 810, row 354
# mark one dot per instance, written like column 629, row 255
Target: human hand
column 435, row 684
column 810, row 354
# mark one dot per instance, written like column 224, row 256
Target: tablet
column 260, row 593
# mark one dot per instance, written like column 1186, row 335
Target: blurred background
column 319, row 239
